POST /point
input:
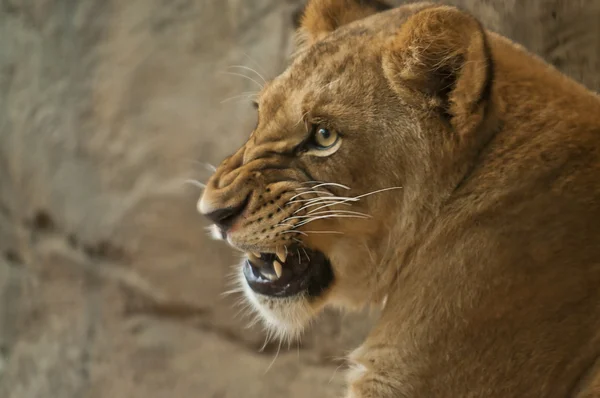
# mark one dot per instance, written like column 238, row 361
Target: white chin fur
column 214, row 232
column 285, row 317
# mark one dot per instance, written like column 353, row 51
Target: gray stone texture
column 109, row 286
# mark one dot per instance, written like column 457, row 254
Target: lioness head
column 358, row 143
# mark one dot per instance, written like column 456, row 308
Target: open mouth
column 295, row 271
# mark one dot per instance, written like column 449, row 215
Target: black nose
column 225, row 217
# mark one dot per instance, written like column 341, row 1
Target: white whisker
column 362, row 196
column 306, row 254
column 334, row 373
column 293, row 232
column 267, row 339
column 322, row 198
column 244, row 76
column 210, row 167
column 338, row 202
column 332, row 212
column 282, row 224
column 329, row 216
column 195, row 183
column 251, row 70
column 274, row 359
column 245, row 95
column 324, row 232
column 232, row 291
column 309, row 192
column 254, row 62
column 332, row 184
column 325, row 206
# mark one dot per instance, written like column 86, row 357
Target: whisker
column 195, row 183
column 293, row 232
column 324, row 217
column 324, row 232
column 330, row 197
column 332, row 184
column 307, row 189
column 232, row 291
column 254, row 62
column 309, row 192
column 210, row 167
column 267, row 339
column 326, row 205
column 306, row 254
column 284, row 225
column 332, row 212
column 274, row 359
column 377, row 191
column 334, row 372
column 324, row 198
column 243, row 95
column 244, row 76
column 251, row 70
column 358, row 213
column 356, row 198
column 339, row 202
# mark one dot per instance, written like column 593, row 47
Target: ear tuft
column 322, row 17
column 441, row 54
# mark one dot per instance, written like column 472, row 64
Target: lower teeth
column 268, row 276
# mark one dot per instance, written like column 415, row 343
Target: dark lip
column 311, row 274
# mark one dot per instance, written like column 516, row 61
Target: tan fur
column 488, row 256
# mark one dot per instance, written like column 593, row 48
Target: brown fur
column 488, row 257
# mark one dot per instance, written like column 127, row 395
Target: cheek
column 335, row 168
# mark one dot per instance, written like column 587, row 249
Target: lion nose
column 225, row 217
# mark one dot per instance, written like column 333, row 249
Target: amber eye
column 325, row 138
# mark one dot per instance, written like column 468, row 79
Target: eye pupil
column 324, row 133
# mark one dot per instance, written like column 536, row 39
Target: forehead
column 349, row 56
column 326, row 72
column 340, row 75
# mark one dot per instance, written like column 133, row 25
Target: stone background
column 109, row 286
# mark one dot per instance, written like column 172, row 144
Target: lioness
column 411, row 159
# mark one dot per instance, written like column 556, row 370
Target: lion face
column 300, row 196
column 323, row 193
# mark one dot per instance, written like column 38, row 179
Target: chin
column 287, row 293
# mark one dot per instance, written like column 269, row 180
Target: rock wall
column 109, row 286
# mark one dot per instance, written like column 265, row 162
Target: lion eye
column 325, row 138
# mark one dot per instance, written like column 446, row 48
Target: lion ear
column 321, row 17
column 440, row 56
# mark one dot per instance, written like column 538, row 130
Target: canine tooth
column 257, row 255
column 281, row 254
column 278, row 269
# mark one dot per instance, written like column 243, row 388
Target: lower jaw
column 285, row 317
column 309, row 279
